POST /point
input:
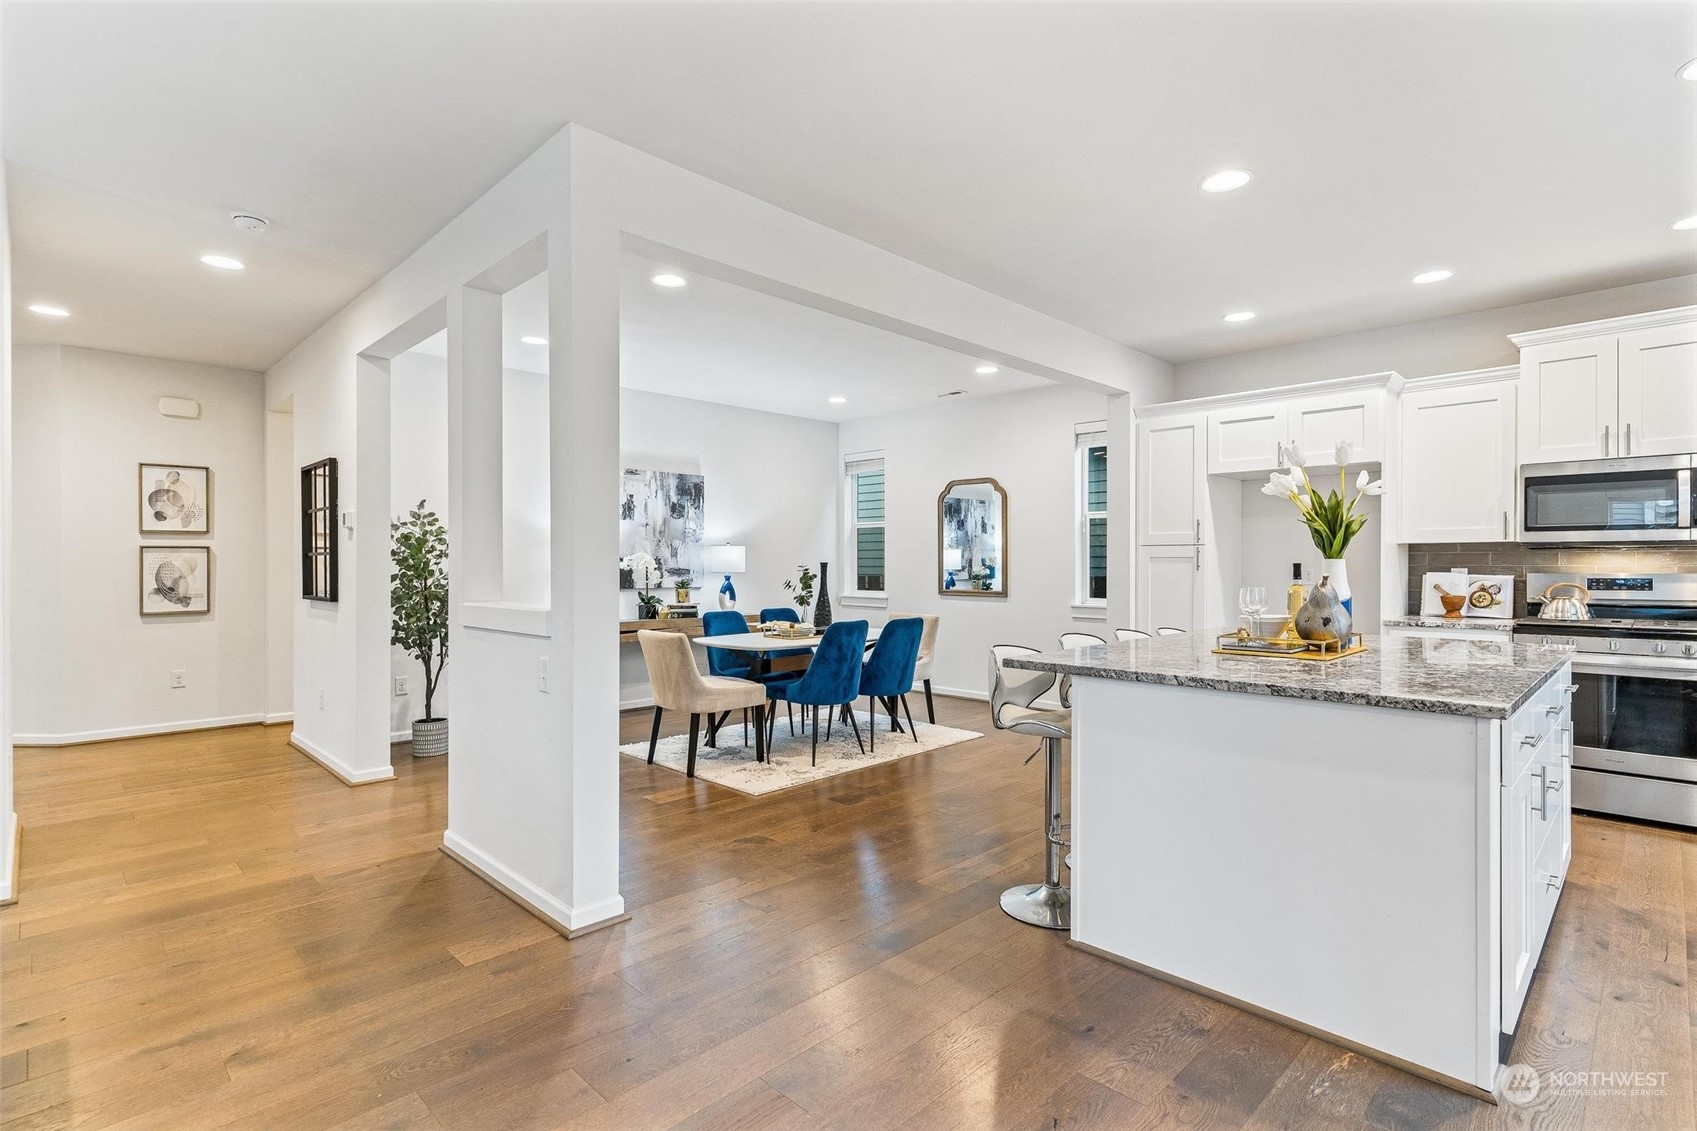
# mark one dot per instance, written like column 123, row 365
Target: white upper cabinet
column 1170, row 480
column 1658, row 391
column 1458, row 460
column 1603, row 390
column 1319, row 424
column 1247, row 438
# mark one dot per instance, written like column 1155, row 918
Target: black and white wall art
column 175, row 580
column 174, row 499
column 663, row 514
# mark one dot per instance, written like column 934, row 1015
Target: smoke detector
column 248, row 222
column 951, row 393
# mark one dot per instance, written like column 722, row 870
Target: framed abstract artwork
column 174, row 499
column 175, row 580
column 662, row 514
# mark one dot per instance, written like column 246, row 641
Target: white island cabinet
column 1369, row 850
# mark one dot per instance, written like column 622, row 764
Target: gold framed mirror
column 972, row 539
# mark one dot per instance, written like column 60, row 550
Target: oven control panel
column 1621, row 584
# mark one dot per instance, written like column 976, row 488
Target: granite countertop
column 1487, row 678
column 1466, row 624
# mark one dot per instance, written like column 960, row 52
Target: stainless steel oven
column 1645, row 499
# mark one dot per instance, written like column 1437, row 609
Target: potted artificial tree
column 418, row 596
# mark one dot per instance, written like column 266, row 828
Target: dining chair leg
column 830, row 718
column 930, row 708
column 816, row 736
column 712, row 736
column 745, row 727
column 694, row 730
column 871, row 724
column 789, row 709
column 654, row 735
column 856, row 727
column 890, row 706
column 906, row 710
column 759, row 732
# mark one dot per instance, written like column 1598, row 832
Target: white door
column 1170, row 485
column 1658, row 391
column 1458, row 470
column 1569, row 399
column 1246, row 439
column 1169, row 587
column 1318, row 424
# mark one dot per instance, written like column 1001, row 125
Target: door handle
column 1605, row 439
column 1505, row 526
column 1199, row 559
column 1199, row 532
column 1628, row 450
column 1543, row 790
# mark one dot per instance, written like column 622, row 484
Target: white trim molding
column 1092, row 610
column 504, row 616
column 14, row 834
column 278, row 718
column 569, row 921
column 347, row 774
column 862, row 601
column 1390, row 380
column 1469, row 377
column 1605, row 326
column 77, row 738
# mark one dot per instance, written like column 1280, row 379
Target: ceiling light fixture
column 249, row 222
column 837, row 400
column 47, row 311
column 1689, row 71
column 986, row 370
column 1227, row 179
column 1686, row 224
column 533, row 340
column 1434, row 276
column 223, row 262
column 1239, row 316
column 668, row 280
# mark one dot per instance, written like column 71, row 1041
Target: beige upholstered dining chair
column 927, row 648
column 680, row 686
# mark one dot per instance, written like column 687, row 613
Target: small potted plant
column 645, row 575
column 680, row 589
column 802, row 587
column 418, row 599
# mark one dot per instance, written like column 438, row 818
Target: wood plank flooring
column 214, row 932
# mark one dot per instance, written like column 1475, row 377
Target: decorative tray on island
column 788, row 630
column 1241, row 643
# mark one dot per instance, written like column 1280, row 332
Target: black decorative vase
column 822, row 609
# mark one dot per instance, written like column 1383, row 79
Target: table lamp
column 726, row 559
column 952, row 561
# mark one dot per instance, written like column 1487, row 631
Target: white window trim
column 852, row 595
column 1082, row 600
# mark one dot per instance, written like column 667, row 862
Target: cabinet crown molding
column 1469, row 377
column 1390, row 381
column 1604, row 326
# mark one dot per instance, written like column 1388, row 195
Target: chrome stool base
column 1041, row 905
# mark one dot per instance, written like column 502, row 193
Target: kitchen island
column 1369, row 849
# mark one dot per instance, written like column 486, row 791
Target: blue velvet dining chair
column 720, row 662
column 888, row 675
column 832, row 680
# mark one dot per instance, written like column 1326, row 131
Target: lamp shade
column 725, row 558
column 952, row 557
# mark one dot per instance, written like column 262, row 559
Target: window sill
column 1091, row 611
column 863, row 601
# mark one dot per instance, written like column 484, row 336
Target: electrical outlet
column 179, row 677
column 400, row 686
column 542, row 674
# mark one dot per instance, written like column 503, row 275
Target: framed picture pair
column 174, row 579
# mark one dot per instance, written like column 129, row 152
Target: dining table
column 760, row 648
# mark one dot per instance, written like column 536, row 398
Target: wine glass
column 1252, row 602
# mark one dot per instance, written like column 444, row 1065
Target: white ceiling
column 715, row 341
column 1048, row 152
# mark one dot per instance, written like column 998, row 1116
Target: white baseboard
column 75, row 738
column 342, row 770
column 399, row 736
column 636, row 704
column 13, row 846
column 569, row 921
column 279, row 718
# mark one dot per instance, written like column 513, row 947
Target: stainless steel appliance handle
column 1628, row 449
column 1594, row 663
column 1683, row 478
column 1505, row 526
column 1605, row 439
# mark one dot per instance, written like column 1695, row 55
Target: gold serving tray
column 1240, row 643
column 788, row 630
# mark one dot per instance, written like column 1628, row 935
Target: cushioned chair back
column 671, row 668
column 724, row 622
column 1169, row 632
column 890, row 670
column 834, row 674
column 1080, row 640
column 927, row 642
column 1124, row 634
column 1011, row 687
column 783, row 612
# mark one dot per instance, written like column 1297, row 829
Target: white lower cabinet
column 1537, row 834
column 1169, row 587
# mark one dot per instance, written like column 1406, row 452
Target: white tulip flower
column 1377, row 487
column 1294, row 455
column 1361, row 480
column 1344, row 452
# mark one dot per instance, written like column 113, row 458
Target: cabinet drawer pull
column 1554, row 710
column 1530, row 739
column 1571, row 688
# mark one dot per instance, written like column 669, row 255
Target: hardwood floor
column 215, row 932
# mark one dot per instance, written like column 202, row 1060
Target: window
column 1092, row 518
column 866, row 523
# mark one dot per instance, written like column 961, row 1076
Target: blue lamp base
column 727, row 594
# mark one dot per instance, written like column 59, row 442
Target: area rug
column 733, row 766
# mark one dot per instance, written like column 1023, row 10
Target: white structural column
column 1122, row 469
column 365, row 540
column 474, row 363
column 8, row 818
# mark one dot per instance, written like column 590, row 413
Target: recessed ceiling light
column 986, row 370
column 1227, row 179
column 1689, row 71
column 1239, row 316
column 533, row 340
column 1435, row 276
column 668, row 280
column 222, row 262
column 837, row 400
column 49, row 311
column 1686, row 224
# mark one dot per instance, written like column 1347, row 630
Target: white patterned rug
column 733, row 766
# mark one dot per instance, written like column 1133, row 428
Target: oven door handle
column 1591, row 663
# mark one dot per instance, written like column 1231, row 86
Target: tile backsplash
column 1516, row 558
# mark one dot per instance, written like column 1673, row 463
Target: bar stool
column 1048, row 904
column 1125, row 634
column 1169, row 632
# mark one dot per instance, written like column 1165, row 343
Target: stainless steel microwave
column 1643, row 499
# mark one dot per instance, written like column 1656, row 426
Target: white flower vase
column 1338, row 570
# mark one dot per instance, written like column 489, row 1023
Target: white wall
column 1025, row 441
column 8, row 818
column 1272, row 538
column 90, row 666
column 1420, row 349
column 282, row 564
